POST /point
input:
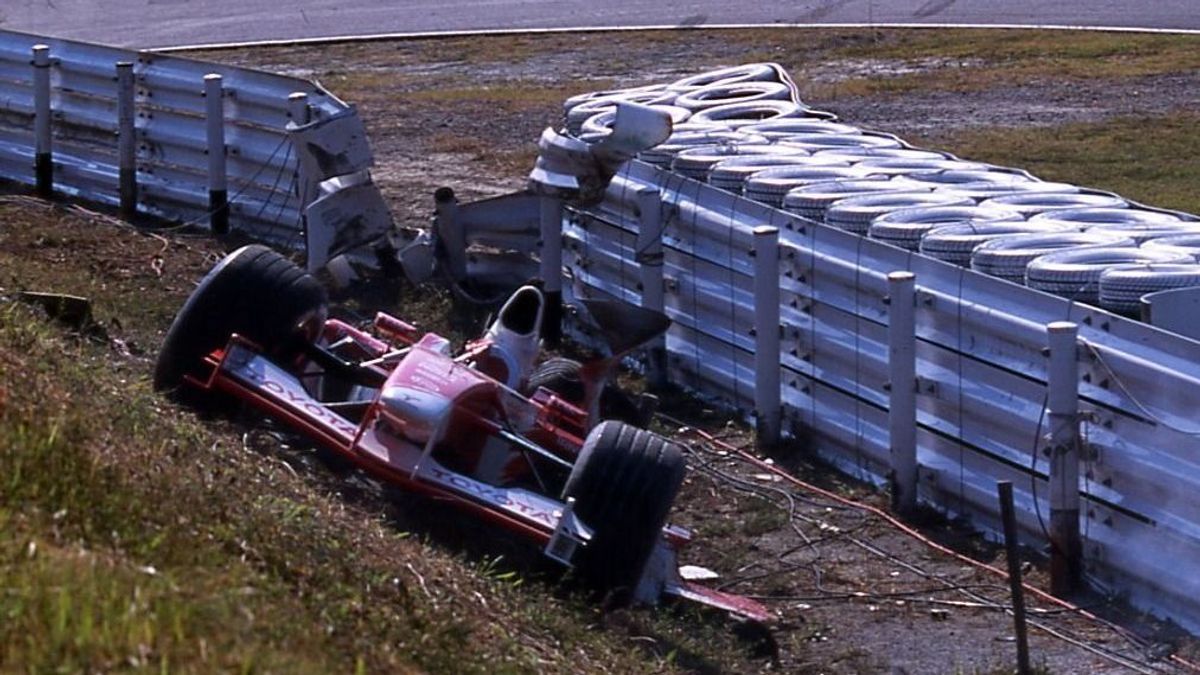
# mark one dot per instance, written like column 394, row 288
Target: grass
column 971, row 60
column 97, row 571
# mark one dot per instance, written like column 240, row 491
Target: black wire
column 275, row 184
column 238, row 193
column 1037, row 437
column 966, row 589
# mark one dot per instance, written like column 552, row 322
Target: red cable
column 925, row 540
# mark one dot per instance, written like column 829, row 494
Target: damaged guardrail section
column 186, row 140
column 897, row 366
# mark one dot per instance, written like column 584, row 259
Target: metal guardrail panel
column 171, row 149
column 980, row 364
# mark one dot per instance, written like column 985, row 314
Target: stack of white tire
column 855, row 214
column 1008, row 257
column 812, row 201
column 1075, row 274
column 904, row 228
column 745, row 130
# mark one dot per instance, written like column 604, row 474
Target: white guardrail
column 167, row 102
column 982, row 368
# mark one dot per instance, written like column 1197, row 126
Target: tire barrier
column 988, row 175
column 1122, row 287
column 818, row 142
column 700, row 127
column 1007, row 257
column 811, row 201
column 1137, row 224
column 982, row 191
column 770, row 185
column 752, row 72
column 854, row 214
column 791, row 126
column 859, row 153
column 738, row 115
column 662, row 155
column 695, row 162
column 1075, row 275
column 1189, row 243
column 1089, row 216
column 730, row 174
column 1035, row 202
column 897, row 166
column 955, row 243
column 715, row 95
column 904, row 228
column 1147, row 231
column 615, row 95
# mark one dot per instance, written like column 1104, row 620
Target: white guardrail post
column 649, row 257
column 43, row 159
column 902, row 390
column 218, row 192
column 126, row 139
column 768, row 411
column 300, row 114
column 1063, row 399
column 552, row 268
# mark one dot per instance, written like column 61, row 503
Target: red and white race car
column 463, row 427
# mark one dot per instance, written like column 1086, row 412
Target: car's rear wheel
column 624, row 483
column 562, row 376
column 254, row 292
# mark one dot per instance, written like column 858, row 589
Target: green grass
column 972, row 59
column 99, row 569
column 1087, row 54
column 1148, row 159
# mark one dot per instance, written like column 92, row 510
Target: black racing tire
column 624, row 483
column 254, row 292
column 561, row 376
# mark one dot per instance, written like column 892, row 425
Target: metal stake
column 449, row 232
column 1009, row 518
column 1063, row 383
column 126, row 139
column 649, row 257
column 43, row 161
column 767, row 407
column 218, row 192
column 902, row 397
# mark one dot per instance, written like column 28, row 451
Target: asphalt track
column 166, row 23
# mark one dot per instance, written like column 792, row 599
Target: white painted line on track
column 371, row 37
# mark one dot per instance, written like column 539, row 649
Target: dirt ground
column 854, row 593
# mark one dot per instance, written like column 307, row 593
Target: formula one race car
column 462, row 428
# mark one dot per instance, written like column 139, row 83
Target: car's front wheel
column 254, row 292
column 624, row 483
